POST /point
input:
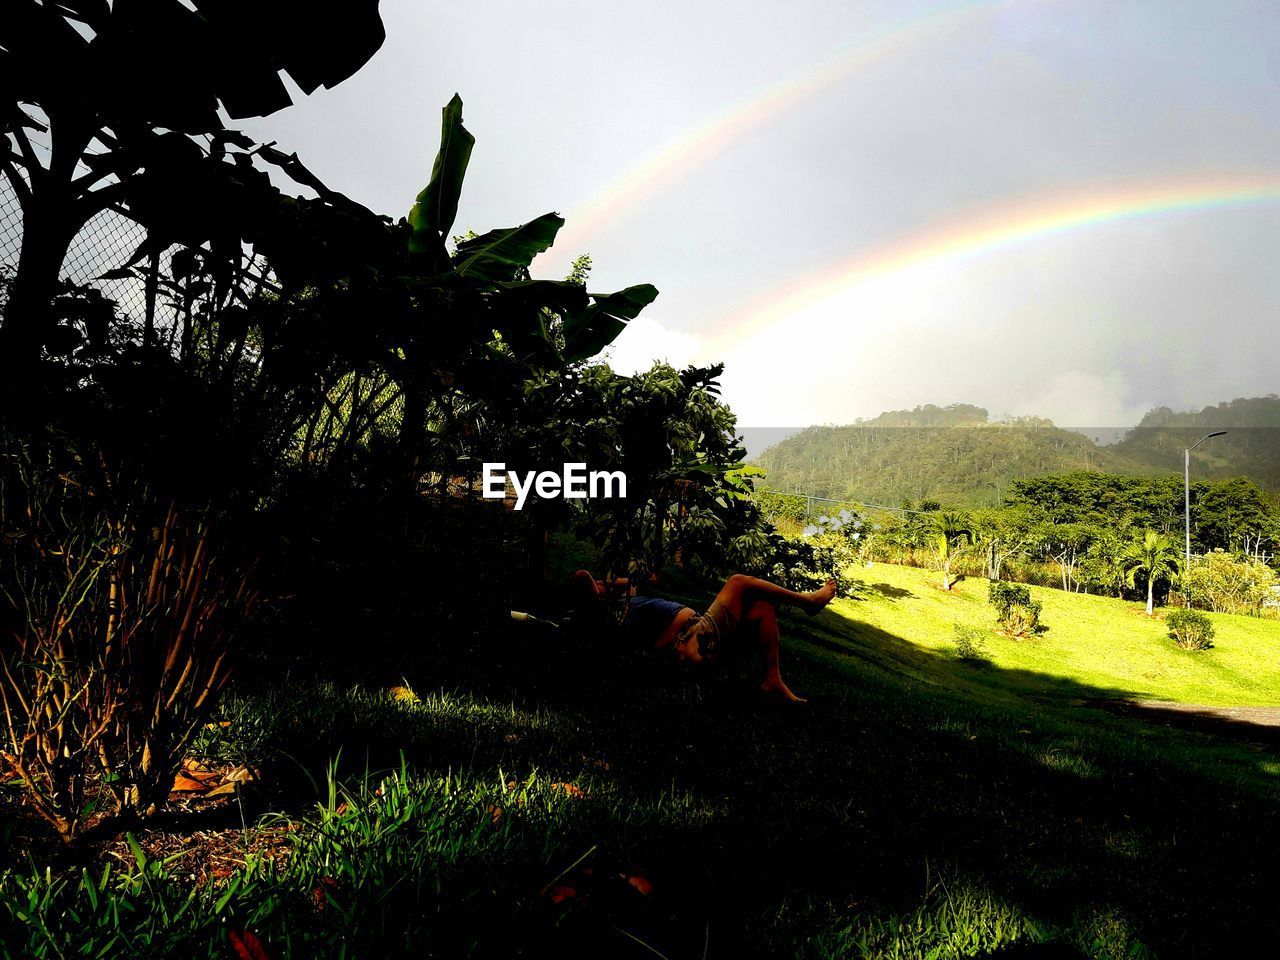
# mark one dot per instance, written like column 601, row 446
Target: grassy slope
column 1097, row 641
column 918, row 803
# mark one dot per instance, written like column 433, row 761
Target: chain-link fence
column 106, row 243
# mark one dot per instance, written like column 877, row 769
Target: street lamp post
column 1186, row 493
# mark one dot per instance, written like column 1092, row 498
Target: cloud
column 645, row 340
column 1080, row 398
column 1021, row 101
column 1090, row 330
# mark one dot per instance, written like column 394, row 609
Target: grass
column 1096, row 641
column 538, row 796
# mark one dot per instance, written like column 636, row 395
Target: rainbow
column 998, row 229
column 676, row 159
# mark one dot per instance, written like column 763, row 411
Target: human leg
column 761, row 620
column 740, row 592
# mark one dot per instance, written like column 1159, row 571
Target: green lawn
column 1091, row 642
column 545, row 796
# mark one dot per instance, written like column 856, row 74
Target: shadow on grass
column 765, row 824
column 906, row 762
column 1259, row 725
column 891, row 592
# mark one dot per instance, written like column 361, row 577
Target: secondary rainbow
column 682, row 155
column 997, row 229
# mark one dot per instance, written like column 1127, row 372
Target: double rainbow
column 999, row 229
column 678, row 158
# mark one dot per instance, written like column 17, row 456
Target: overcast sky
column 810, row 134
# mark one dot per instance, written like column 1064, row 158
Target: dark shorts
column 711, row 630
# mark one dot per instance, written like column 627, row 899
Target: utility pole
column 1186, row 493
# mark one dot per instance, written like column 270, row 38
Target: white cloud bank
column 646, row 340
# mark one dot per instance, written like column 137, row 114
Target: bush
column 1003, row 596
column 119, row 611
column 1017, row 614
column 1190, row 629
column 969, row 642
column 1227, row 584
column 802, row 563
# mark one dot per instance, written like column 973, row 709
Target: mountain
column 956, row 454
column 1251, row 447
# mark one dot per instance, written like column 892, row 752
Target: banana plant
column 92, row 84
column 480, row 321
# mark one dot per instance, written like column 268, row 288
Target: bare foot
column 777, row 686
column 821, row 597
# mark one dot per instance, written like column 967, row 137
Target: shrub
column 118, row 625
column 1190, row 629
column 1017, row 614
column 827, row 548
column 1227, row 584
column 969, row 642
column 802, row 563
column 1003, row 596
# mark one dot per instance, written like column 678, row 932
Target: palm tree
column 948, row 530
column 1156, row 557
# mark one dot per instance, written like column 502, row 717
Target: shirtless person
column 745, row 607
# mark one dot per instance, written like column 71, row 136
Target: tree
column 1154, row 557
column 267, row 384
column 666, row 430
column 1066, row 543
column 1233, row 515
column 112, row 90
column 1103, row 566
column 949, row 530
column 1230, row 584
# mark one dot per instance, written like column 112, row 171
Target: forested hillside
column 957, row 454
column 1251, row 447
column 954, row 454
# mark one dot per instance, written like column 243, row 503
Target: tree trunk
column 47, row 232
column 413, row 426
column 1151, row 592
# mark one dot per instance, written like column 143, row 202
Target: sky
column 1043, row 207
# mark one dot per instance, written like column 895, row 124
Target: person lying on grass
column 744, row 612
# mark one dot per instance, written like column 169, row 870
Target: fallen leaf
column 495, row 813
column 561, row 894
column 184, row 784
column 572, row 789
column 641, row 884
column 247, row 945
column 320, row 895
column 243, row 774
column 222, row 790
column 197, row 770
